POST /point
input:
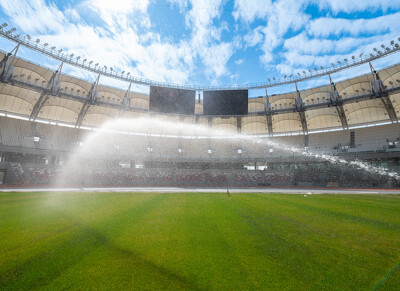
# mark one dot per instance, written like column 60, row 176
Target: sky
column 207, row 42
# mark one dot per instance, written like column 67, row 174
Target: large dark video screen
column 169, row 100
column 225, row 102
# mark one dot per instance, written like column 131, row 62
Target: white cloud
column 214, row 54
column 118, row 44
column 182, row 4
column 72, row 14
column 254, row 37
column 356, row 5
column 215, row 59
column 124, row 36
column 326, row 26
column 249, row 10
column 314, row 46
column 118, row 6
column 281, row 16
column 34, row 16
column 239, row 61
column 322, row 42
column 302, row 58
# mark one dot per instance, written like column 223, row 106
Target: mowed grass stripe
column 281, row 240
column 344, row 242
column 179, row 236
column 200, row 241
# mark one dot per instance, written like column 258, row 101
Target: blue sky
column 209, row 42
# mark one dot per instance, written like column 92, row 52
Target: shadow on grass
column 45, row 267
column 77, row 243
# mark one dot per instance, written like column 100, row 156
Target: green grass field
column 199, row 241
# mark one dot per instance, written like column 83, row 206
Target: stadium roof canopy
column 37, row 93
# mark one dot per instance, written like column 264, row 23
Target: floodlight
column 128, row 73
column 28, row 37
column 60, row 50
column 239, row 151
column 53, row 47
column 396, row 45
column 392, row 42
column 84, row 60
column 269, row 80
column 71, row 55
column 273, row 78
column 345, row 60
column 298, row 73
column 3, row 25
column 322, row 67
column 209, row 151
column 90, row 62
column 309, row 70
column 111, row 69
column 382, row 46
column 353, row 57
column 96, row 64
column 304, row 72
column 45, row 44
column 375, row 49
column 37, row 40
column 315, row 69
column 371, row 55
column 361, row 55
column 17, row 36
column 122, row 72
column 291, row 75
column 284, row 76
column 332, row 64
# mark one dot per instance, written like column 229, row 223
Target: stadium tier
column 285, row 139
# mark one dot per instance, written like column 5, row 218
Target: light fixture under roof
column 394, row 47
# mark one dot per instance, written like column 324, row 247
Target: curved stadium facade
column 45, row 115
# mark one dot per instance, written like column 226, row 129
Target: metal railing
column 77, row 61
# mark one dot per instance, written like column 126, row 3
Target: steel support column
column 239, row 125
column 376, row 85
column 267, row 108
column 6, row 65
column 92, row 100
column 125, row 102
column 52, row 89
column 337, row 102
column 301, row 110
